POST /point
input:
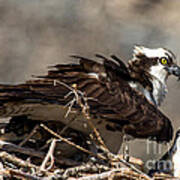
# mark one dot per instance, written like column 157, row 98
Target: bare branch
column 72, row 144
column 30, row 135
column 49, row 156
column 6, row 146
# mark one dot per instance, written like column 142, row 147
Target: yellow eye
column 163, row 61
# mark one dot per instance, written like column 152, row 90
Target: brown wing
column 115, row 104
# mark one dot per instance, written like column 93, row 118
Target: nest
column 37, row 150
column 32, row 150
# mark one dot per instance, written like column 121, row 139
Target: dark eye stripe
column 170, row 60
column 171, row 53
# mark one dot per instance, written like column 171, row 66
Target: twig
column 85, row 168
column 14, row 148
column 72, row 144
column 71, row 103
column 85, row 111
column 115, row 173
column 49, row 156
column 29, row 136
column 133, row 160
column 78, row 97
column 17, row 161
column 132, row 167
column 6, row 157
column 19, row 174
column 6, row 146
column 160, row 176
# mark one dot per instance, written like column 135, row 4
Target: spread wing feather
column 114, row 101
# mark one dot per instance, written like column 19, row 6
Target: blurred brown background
column 38, row 33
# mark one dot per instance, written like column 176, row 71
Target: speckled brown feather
column 115, row 102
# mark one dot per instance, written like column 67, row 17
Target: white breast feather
column 159, row 76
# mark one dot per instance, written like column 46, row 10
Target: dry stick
column 134, row 168
column 161, row 176
column 19, row 174
column 17, row 161
column 6, row 146
column 98, row 176
column 14, row 148
column 85, row 111
column 49, row 156
column 85, row 168
column 135, row 161
column 72, row 91
column 72, row 144
column 96, row 132
column 29, row 136
column 71, row 103
column 85, row 108
column 119, row 173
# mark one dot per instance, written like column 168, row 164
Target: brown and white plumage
column 116, row 98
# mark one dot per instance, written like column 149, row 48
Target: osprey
column 122, row 99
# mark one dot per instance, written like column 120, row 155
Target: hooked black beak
column 174, row 69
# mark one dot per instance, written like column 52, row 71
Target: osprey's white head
column 151, row 68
